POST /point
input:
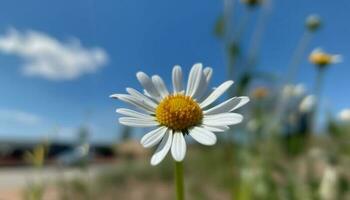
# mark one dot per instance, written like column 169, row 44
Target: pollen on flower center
column 178, row 112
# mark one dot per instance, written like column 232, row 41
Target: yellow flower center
column 260, row 93
column 178, row 112
column 320, row 58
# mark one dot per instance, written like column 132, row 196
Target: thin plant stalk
column 255, row 42
column 228, row 14
column 228, row 37
column 242, row 25
column 293, row 67
column 179, row 180
column 228, row 10
column 292, row 71
column 250, row 62
column 318, row 94
column 233, row 48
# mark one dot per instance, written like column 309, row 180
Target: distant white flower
column 252, row 125
column 329, row 184
column 344, row 115
column 320, row 58
column 316, row 153
column 293, row 90
column 180, row 112
column 307, row 104
column 313, row 22
column 299, row 90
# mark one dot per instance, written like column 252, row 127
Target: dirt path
column 14, row 180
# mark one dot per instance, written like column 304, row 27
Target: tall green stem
column 257, row 36
column 292, row 71
column 179, row 180
column 318, row 95
column 298, row 57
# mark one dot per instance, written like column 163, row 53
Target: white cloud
column 50, row 58
column 344, row 115
column 18, row 117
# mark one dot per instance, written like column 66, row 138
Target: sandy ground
column 13, row 180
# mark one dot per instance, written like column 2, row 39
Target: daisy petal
column 208, row 72
column 244, row 100
column 203, row 136
column 147, row 94
column 137, row 122
column 178, row 147
column 317, row 50
column 160, row 86
column 114, row 96
column 223, row 119
column 215, row 128
column 154, row 137
column 194, row 79
column 134, row 101
column 227, row 106
column 147, row 84
column 177, row 79
column 216, row 94
column 203, row 89
column 162, row 149
column 141, row 97
column 132, row 113
column 337, row 58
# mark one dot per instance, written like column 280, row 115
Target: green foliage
column 34, row 192
column 36, row 157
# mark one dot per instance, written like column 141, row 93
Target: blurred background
column 60, row 61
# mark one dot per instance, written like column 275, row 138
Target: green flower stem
column 298, row 56
column 319, row 82
column 179, row 180
column 318, row 94
column 292, row 72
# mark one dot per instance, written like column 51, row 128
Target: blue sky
column 151, row 36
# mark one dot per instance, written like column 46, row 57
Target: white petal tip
column 179, row 159
column 155, row 161
column 244, row 100
column 177, row 67
column 208, row 69
column 239, row 120
column 144, row 145
column 337, row 58
column 317, row 50
column 140, row 74
column 211, row 144
column 114, row 96
column 230, row 82
column 121, row 121
column 198, row 65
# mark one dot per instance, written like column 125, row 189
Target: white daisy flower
column 183, row 111
column 293, row 90
column 307, row 104
column 320, row 58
